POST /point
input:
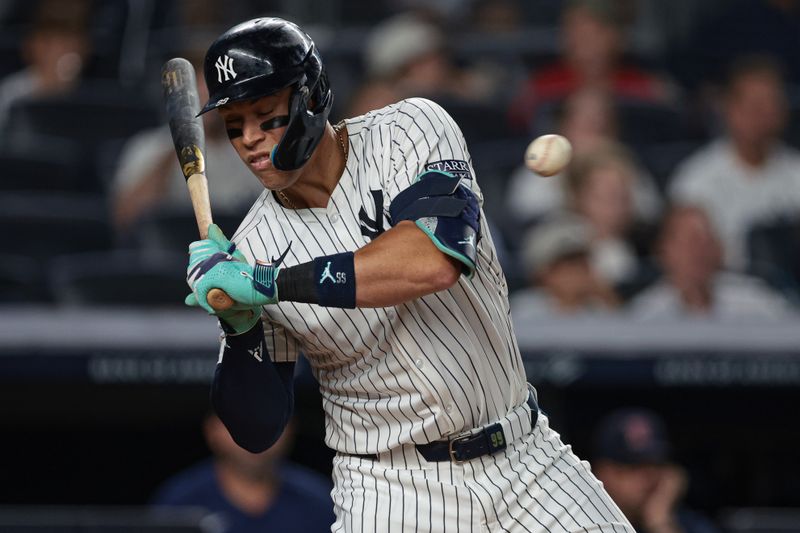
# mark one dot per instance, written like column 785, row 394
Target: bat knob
column 218, row 300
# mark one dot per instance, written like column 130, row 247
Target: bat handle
column 218, row 300
column 198, row 192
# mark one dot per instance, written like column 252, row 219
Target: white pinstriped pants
column 535, row 484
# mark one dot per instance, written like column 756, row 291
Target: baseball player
column 368, row 252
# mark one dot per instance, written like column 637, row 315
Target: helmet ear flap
column 304, row 131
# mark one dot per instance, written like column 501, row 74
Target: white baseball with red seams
column 548, row 155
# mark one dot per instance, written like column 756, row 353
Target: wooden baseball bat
column 183, row 104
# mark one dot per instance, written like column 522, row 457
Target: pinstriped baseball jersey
column 417, row 372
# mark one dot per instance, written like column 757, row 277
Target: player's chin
column 274, row 180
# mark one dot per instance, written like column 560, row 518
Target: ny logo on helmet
column 224, row 66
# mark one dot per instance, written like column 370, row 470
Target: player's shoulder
column 405, row 113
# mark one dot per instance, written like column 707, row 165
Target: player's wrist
column 235, row 323
column 328, row 281
column 244, row 337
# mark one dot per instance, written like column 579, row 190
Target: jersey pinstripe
column 417, row 372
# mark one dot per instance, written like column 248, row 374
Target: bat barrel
column 182, row 104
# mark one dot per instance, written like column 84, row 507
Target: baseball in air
column 548, row 155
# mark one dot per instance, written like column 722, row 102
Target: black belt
column 488, row 440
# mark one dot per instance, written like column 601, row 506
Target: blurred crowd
column 682, row 198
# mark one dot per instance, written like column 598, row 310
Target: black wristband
column 335, row 279
column 296, row 284
column 328, row 281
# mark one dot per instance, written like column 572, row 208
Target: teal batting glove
column 215, row 242
column 216, row 236
column 239, row 318
column 248, row 286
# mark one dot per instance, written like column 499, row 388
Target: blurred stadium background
column 104, row 374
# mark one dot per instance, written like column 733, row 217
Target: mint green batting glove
column 248, row 286
column 215, row 242
column 239, row 318
column 214, row 263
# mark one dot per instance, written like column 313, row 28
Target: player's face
column 254, row 132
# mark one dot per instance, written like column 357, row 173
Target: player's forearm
column 401, row 265
column 252, row 396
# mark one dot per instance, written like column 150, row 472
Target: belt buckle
column 452, row 452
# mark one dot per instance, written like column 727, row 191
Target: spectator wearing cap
column 244, row 492
column 556, row 259
column 693, row 283
column 592, row 41
column 632, row 458
column 405, row 56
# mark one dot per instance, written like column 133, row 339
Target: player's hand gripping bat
column 183, row 104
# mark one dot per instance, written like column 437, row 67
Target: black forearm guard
column 252, row 395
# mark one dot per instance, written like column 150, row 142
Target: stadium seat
column 494, row 162
column 93, row 113
column 478, row 122
column 50, row 168
column 119, row 278
column 774, row 255
column 44, row 224
column 662, row 158
column 21, row 280
column 643, row 122
column 175, row 229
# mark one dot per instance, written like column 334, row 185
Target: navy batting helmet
column 260, row 57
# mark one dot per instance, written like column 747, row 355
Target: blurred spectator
column 593, row 41
column 588, row 119
column 749, row 175
column 496, row 16
column 405, row 56
column 556, row 260
column 693, row 284
column 248, row 493
column 54, row 51
column 599, row 187
column 148, row 175
column 632, row 459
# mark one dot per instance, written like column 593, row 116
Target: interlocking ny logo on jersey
column 224, row 66
column 369, row 227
